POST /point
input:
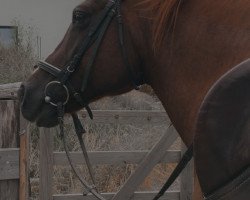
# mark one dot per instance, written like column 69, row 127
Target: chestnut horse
column 179, row 48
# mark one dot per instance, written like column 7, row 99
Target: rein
column 79, row 131
column 62, row 85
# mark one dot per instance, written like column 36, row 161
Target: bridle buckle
column 70, row 70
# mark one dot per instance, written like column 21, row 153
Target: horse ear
column 222, row 137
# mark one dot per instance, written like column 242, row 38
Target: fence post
column 9, row 138
column 187, row 181
column 46, row 164
column 24, row 159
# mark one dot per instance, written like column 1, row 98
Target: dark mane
column 164, row 15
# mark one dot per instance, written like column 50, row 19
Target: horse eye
column 79, row 16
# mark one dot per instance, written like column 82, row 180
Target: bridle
column 94, row 38
column 61, row 83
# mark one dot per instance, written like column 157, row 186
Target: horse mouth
column 47, row 117
column 47, row 123
column 44, row 117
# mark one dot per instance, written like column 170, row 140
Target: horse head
column 99, row 55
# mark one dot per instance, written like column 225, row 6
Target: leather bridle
column 94, row 38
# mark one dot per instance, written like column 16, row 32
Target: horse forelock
column 164, row 15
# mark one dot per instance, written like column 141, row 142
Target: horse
column 180, row 48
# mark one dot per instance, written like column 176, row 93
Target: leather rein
column 61, row 83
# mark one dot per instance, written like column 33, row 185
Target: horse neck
column 159, row 72
column 192, row 58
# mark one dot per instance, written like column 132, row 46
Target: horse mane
column 164, row 15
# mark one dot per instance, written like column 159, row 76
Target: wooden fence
column 14, row 161
column 13, row 147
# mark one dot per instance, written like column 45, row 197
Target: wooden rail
column 9, row 91
column 137, row 196
column 138, row 117
column 9, row 164
column 113, row 157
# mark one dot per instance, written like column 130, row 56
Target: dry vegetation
column 16, row 61
column 15, row 65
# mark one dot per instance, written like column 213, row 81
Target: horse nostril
column 21, row 92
